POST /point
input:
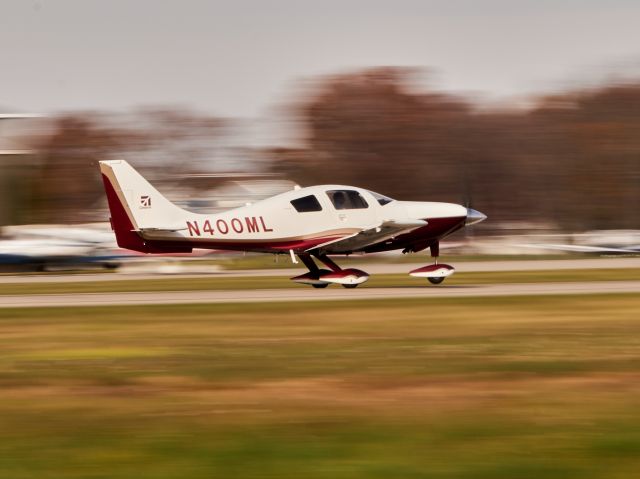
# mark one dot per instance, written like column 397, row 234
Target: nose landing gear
column 435, row 273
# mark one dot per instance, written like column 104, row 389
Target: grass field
column 466, row 388
column 171, row 283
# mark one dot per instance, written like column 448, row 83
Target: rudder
column 135, row 205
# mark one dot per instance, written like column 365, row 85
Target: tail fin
column 135, row 205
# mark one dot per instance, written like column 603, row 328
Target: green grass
column 280, row 281
column 442, row 388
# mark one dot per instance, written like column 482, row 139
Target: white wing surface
column 370, row 236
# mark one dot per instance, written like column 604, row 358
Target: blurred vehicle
column 307, row 222
column 43, row 247
column 598, row 242
column 58, row 247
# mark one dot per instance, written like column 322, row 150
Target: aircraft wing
column 370, row 236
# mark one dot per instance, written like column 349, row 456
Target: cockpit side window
column 306, row 204
column 383, row 200
column 347, row 200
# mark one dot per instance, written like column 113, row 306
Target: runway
column 310, row 294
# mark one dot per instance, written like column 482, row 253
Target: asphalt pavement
column 305, row 293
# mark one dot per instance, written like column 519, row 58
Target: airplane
column 308, row 223
column 54, row 247
column 62, row 247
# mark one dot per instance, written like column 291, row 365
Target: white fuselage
column 276, row 220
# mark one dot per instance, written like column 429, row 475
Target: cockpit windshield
column 383, row 200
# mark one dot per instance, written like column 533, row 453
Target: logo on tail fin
column 145, row 201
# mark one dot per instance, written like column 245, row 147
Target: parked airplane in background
column 310, row 223
column 64, row 247
column 610, row 242
column 40, row 247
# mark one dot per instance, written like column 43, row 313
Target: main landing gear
column 435, row 273
column 352, row 278
column 321, row 278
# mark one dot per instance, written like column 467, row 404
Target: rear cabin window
column 347, row 200
column 306, row 204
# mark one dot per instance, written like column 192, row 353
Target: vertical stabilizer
column 136, row 205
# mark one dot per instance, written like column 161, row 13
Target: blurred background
column 526, row 110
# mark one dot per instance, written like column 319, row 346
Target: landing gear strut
column 435, row 273
column 321, row 278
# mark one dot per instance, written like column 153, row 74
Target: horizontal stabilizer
column 168, row 229
column 160, row 233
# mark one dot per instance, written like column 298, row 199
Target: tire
column 349, row 286
column 324, row 285
column 436, row 280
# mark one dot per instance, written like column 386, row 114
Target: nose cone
column 474, row 217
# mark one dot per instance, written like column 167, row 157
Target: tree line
column 572, row 158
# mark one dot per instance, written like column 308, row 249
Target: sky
column 241, row 58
